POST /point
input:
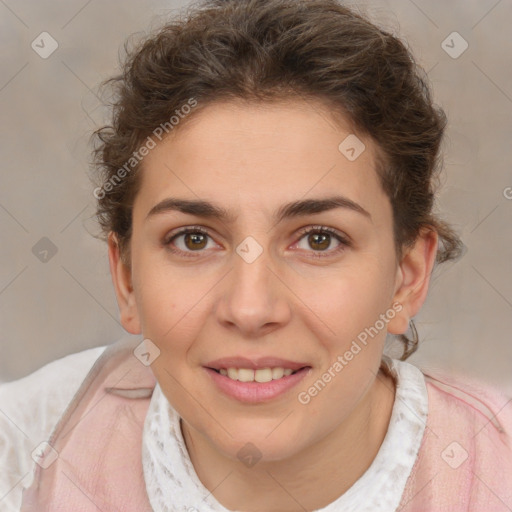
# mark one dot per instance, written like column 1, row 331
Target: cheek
column 349, row 302
column 161, row 298
column 351, row 308
column 173, row 305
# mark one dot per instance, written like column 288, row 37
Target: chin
column 258, row 445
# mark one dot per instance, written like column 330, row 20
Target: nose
column 254, row 301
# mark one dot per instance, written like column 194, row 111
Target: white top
column 29, row 410
column 45, row 394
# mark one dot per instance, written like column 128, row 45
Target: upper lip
column 254, row 364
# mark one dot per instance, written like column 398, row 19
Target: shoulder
column 470, row 400
column 470, row 430
column 465, row 458
column 45, row 393
column 30, row 407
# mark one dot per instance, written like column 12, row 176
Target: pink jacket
column 93, row 461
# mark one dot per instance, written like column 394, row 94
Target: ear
column 413, row 278
column 122, row 279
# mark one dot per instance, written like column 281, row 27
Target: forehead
column 262, row 154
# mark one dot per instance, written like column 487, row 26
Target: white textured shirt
column 30, row 407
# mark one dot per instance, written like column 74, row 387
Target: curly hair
column 270, row 50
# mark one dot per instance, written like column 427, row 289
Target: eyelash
column 344, row 242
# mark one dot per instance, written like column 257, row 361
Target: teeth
column 245, row 375
column 277, row 373
column 261, row 375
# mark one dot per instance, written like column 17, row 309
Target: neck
column 312, row 478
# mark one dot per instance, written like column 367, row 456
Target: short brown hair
column 266, row 50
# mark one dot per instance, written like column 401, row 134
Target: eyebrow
column 300, row 208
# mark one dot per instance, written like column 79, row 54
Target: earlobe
column 122, row 280
column 413, row 278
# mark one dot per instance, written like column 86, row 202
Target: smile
column 256, row 386
column 261, row 375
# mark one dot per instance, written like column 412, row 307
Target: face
column 268, row 279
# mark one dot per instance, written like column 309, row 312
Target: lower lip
column 255, row 392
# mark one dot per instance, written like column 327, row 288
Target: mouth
column 260, row 375
column 251, row 386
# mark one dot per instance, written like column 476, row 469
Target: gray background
column 52, row 308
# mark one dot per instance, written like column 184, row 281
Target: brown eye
column 189, row 240
column 195, row 241
column 319, row 241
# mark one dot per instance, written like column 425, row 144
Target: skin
column 290, row 303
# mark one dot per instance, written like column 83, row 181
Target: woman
column 267, row 191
